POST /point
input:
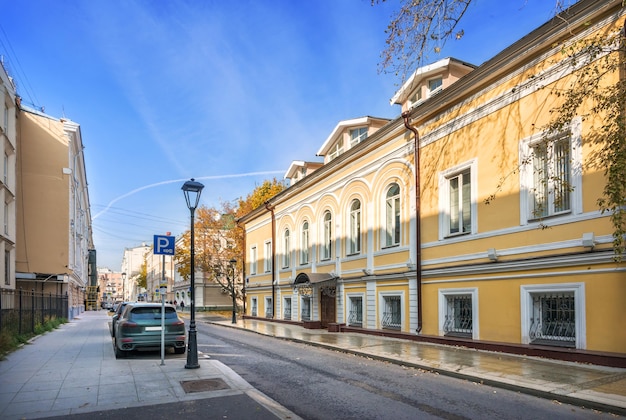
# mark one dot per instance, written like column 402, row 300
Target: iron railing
column 21, row 310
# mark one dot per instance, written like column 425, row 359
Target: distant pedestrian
column 182, row 305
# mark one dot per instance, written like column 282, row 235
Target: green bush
column 9, row 340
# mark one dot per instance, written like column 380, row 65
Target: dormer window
column 435, row 85
column 336, row 150
column 357, row 135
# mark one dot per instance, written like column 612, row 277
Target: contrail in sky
column 172, row 181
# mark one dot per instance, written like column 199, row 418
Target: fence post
column 43, row 304
column 19, row 312
column 32, row 311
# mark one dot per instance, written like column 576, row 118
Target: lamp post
column 123, row 287
column 192, row 191
column 232, row 263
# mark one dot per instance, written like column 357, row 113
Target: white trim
column 350, row 295
column 444, row 198
column 443, row 306
column 381, row 307
column 526, row 304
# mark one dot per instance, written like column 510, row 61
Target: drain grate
column 203, row 385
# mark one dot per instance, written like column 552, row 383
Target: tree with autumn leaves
column 219, row 240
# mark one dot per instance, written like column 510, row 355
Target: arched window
column 354, row 242
column 327, row 245
column 304, row 245
column 392, row 213
column 286, row 249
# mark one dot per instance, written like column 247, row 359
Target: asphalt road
column 317, row 383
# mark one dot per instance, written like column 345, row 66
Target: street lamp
column 232, row 263
column 123, row 287
column 192, row 191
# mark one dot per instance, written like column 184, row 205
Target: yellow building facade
column 513, row 250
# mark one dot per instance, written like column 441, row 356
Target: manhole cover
column 203, row 385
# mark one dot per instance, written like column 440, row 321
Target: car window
column 152, row 313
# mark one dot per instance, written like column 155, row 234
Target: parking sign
column 163, row 245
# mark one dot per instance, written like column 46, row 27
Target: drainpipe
column 243, row 267
column 418, row 241
column 271, row 210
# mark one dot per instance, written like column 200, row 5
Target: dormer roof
column 426, row 72
column 342, row 125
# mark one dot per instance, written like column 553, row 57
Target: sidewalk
column 599, row 387
column 73, row 370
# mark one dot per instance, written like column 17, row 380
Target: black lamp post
column 232, row 263
column 192, row 190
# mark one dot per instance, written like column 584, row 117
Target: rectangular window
column 457, row 200
column 253, row 306
column 458, row 320
column 7, row 268
column 392, row 312
column 267, row 261
column 553, row 320
column 554, row 315
column 253, row 260
column 6, row 169
column 328, row 240
column 551, row 177
column 5, row 120
column 355, row 315
column 435, row 85
column 269, row 309
column 460, row 203
column 6, row 219
column 287, row 308
column 305, row 313
column 551, row 174
column 336, row 150
column 304, row 246
column 355, row 228
column 357, row 135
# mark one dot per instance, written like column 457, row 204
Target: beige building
column 132, row 262
column 54, row 237
column 8, row 134
column 111, row 285
column 390, row 238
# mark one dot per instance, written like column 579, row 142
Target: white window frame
column 350, row 297
column 432, row 91
column 254, row 306
column 382, row 306
column 336, row 150
column 527, row 181
column 327, row 242
column 304, row 243
column 526, row 292
column 267, row 261
column 357, row 135
column 354, row 223
column 286, row 248
column 269, row 308
column 253, row 259
column 443, row 294
column 444, row 198
column 390, row 223
column 287, row 306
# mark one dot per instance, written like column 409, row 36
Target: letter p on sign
column 163, row 245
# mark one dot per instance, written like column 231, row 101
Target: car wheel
column 179, row 350
column 119, row 354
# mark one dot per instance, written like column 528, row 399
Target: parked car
column 118, row 311
column 139, row 326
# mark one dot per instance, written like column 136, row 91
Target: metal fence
column 21, row 311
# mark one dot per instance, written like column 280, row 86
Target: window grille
column 458, row 321
column 269, row 310
column 553, row 319
column 254, row 309
column 287, row 309
column 355, row 317
column 392, row 316
column 306, row 309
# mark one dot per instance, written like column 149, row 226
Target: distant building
column 132, row 262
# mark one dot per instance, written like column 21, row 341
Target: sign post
column 163, row 245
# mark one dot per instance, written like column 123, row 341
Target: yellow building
column 530, row 271
column 54, row 243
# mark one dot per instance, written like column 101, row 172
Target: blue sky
column 227, row 92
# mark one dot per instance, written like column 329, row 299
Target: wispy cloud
column 172, row 181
